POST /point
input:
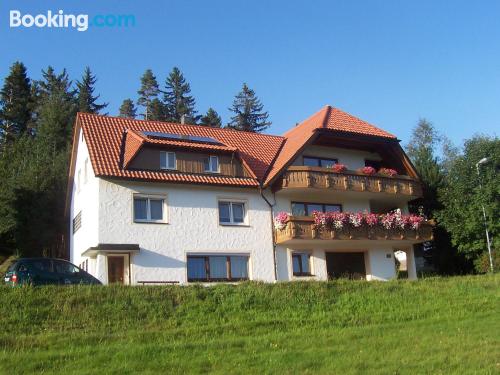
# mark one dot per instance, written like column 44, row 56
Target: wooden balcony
column 302, row 228
column 300, row 177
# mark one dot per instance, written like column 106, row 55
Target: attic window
column 167, row 160
column 212, row 164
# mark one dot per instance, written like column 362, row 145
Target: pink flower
column 388, row 220
column 367, row 170
column 338, row 168
column 415, row 221
column 388, row 172
column 371, row 219
column 356, row 219
column 280, row 220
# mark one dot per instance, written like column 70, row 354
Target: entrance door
column 116, row 270
column 348, row 265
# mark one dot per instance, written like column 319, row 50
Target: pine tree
column 149, row 90
column 248, row 112
column 85, row 94
column 16, row 104
column 127, row 109
column 158, row 111
column 177, row 101
column 56, row 108
column 211, row 118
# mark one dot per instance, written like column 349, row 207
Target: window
column 319, row 162
column 85, row 171
column 231, row 213
column 217, row 267
column 373, row 163
column 212, row 164
column 78, row 180
column 168, row 160
column 77, row 222
column 301, row 264
column 149, row 209
column 306, row 209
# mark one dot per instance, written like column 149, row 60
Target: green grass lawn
column 434, row 326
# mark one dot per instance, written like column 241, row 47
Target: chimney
column 183, row 119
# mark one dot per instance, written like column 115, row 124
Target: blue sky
column 387, row 62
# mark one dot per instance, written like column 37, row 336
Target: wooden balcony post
column 309, row 179
column 346, row 183
column 379, row 185
column 410, row 188
column 328, row 181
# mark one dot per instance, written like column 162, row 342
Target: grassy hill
column 448, row 325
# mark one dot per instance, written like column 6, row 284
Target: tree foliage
column 87, row 101
column 16, row 104
column 178, row 102
column 34, row 167
column 248, row 112
column 148, row 92
column 211, row 118
column 127, row 109
column 422, row 151
column 465, row 192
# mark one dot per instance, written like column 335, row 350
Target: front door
column 348, row 265
column 116, row 270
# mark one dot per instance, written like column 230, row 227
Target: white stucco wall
column 86, row 201
column 353, row 159
column 193, row 227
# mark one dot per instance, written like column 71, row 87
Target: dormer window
column 212, row 164
column 167, row 160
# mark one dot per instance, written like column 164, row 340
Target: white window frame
column 166, row 159
column 210, row 170
column 85, row 171
column 148, row 198
column 78, row 180
column 231, row 216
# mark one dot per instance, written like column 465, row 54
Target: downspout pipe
column 272, row 231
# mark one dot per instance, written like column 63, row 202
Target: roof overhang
column 109, row 249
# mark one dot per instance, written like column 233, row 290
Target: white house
column 154, row 202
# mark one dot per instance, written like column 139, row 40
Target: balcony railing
column 325, row 178
column 302, row 228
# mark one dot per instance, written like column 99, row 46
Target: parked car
column 46, row 271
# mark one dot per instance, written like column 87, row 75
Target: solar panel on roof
column 162, row 135
column 185, row 137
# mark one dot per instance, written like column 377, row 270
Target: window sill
column 149, row 222
column 305, row 275
column 234, row 225
column 217, row 280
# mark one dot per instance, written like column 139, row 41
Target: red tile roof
column 104, row 136
column 265, row 156
column 328, row 118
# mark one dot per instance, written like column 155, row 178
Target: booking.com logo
column 80, row 22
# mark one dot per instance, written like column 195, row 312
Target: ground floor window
column 301, row 263
column 217, row 267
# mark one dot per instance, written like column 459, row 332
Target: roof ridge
column 177, row 123
column 327, row 116
column 285, row 135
